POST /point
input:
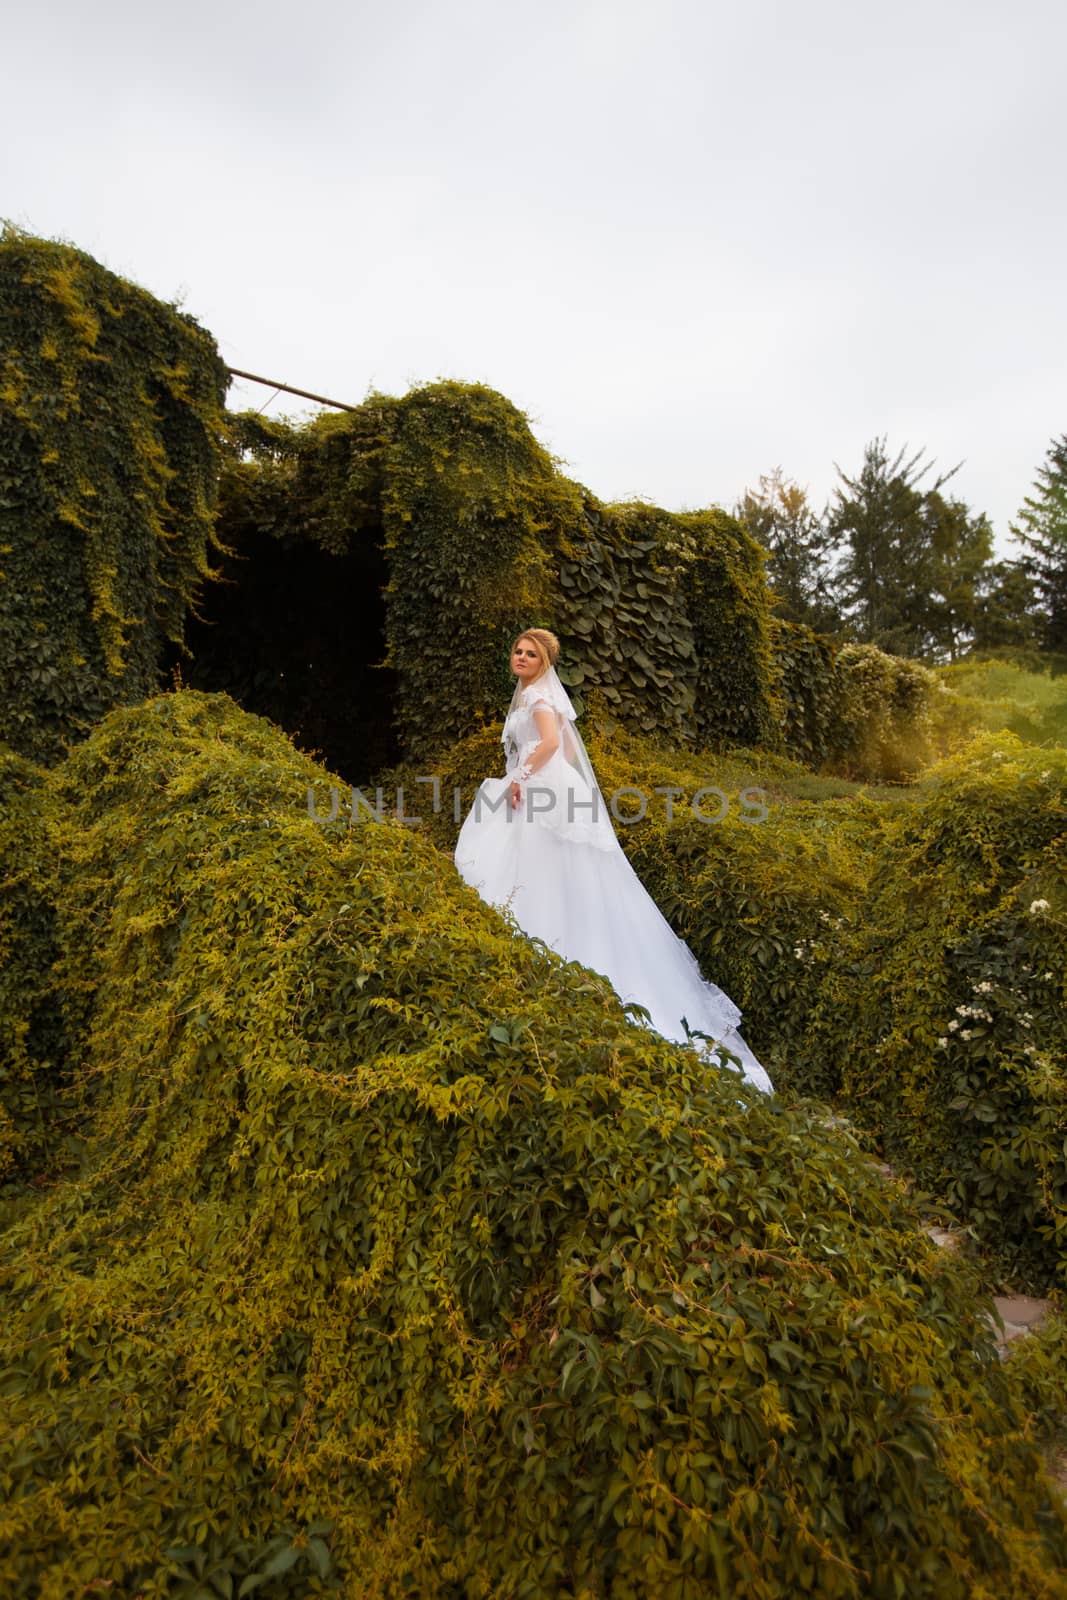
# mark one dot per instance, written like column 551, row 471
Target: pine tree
column 882, row 533
column 961, row 548
column 779, row 517
column 1041, row 527
column 910, row 559
column 1005, row 609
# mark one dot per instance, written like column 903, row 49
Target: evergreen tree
column 910, row 560
column 1041, row 527
column 1005, row 615
column 961, row 547
column 779, row 517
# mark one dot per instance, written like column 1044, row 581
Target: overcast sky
column 692, row 241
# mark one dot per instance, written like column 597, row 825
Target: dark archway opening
column 292, row 633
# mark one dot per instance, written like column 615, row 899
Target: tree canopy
column 1041, row 527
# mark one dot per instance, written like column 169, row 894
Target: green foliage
column 1037, row 1370
column 943, row 1016
column 913, row 562
column 731, row 623
column 110, row 409
column 857, row 710
column 884, row 726
column 467, row 495
column 810, row 688
column 1041, row 527
column 994, row 693
column 624, row 621
column 483, row 536
column 32, row 1046
column 779, row 518
column 400, row 1263
column 1006, row 611
column 646, row 598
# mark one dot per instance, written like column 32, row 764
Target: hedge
column 854, row 710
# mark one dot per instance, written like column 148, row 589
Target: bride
column 539, row 841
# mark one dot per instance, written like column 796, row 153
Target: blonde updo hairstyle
column 545, row 643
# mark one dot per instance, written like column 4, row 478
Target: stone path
column 1020, row 1314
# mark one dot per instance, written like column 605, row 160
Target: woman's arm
column 542, row 752
column 546, row 727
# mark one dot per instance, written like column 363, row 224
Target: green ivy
column 646, row 599
column 809, row 691
column 32, row 1044
column 855, row 710
column 943, row 1019
column 484, row 536
column 399, row 1261
column 884, row 727
column 110, row 413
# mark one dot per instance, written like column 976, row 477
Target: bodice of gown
column 520, row 735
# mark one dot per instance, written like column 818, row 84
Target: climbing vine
column 397, row 1261
column 484, row 536
column 110, row 414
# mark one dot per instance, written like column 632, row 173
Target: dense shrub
column 1037, row 1370
column 859, row 712
column 32, row 1044
column 884, row 724
column 943, row 1020
column 110, row 410
column 398, row 1258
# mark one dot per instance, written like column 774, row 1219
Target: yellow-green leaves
column 398, row 1262
column 110, row 417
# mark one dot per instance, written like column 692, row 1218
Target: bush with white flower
column 945, row 1022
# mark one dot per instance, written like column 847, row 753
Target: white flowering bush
column 943, row 1024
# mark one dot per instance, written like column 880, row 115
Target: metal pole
column 305, row 394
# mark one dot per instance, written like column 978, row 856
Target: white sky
column 693, row 241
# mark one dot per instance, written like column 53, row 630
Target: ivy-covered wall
column 647, row 602
column 110, row 415
column 424, row 532
column 665, row 615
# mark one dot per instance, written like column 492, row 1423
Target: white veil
column 579, row 809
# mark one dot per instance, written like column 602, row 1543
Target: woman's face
column 525, row 661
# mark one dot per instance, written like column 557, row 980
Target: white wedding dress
column 556, row 865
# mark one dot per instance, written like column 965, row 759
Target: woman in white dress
column 539, row 842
